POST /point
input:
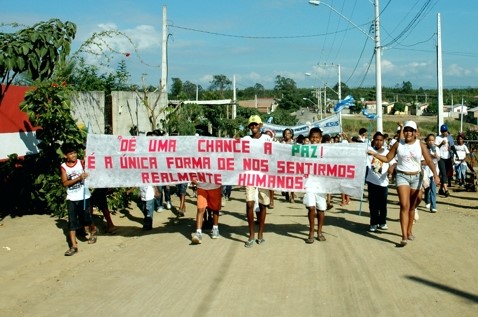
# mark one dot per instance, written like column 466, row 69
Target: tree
column 48, row 106
column 284, row 85
column 407, row 87
column 189, row 89
column 183, row 119
column 432, row 107
column 35, row 50
column 288, row 95
column 398, row 107
column 220, row 83
column 176, row 87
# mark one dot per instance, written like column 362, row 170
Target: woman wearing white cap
column 409, row 152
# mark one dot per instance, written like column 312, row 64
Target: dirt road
column 159, row 273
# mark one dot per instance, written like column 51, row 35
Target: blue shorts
column 413, row 181
column 181, row 189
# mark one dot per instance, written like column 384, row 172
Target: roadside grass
column 426, row 124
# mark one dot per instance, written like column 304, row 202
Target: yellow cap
column 254, row 119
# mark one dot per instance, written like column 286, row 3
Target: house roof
column 262, row 104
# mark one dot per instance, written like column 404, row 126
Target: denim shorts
column 414, row 181
column 181, row 189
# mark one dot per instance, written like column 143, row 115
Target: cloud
column 456, row 70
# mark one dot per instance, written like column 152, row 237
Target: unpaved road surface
column 159, row 273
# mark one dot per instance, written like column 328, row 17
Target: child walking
column 208, row 196
column 148, row 194
column 431, row 191
column 77, row 197
column 315, row 202
column 377, row 183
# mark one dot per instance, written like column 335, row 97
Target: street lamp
column 378, row 51
column 318, row 107
column 339, row 88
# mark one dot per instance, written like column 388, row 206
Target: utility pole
column 439, row 75
column 163, row 87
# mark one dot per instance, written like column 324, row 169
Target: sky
column 257, row 40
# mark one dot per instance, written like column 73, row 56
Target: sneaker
column 447, row 193
column 427, row 206
column 417, row 216
column 383, row 227
column 249, row 243
column 373, row 228
column 434, row 210
column 215, row 233
column 168, row 205
column 223, row 202
column 197, row 238
column 160, row 209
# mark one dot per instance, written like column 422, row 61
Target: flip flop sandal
column 310, row 240
column 71, row 251
column 403, row 243
column 92, row 239
column 321, row 237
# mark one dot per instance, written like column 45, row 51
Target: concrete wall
column 88, row 108
column 127, row 110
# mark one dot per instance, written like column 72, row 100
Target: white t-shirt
column 445, row 148
column 409, row 157
column 77, row 191
column 378, row 170
column 461, row 153
column 207, row 186
column 147, row 193
column 435, row 154
column 264, row 137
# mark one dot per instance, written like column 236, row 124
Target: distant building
column 263, row 105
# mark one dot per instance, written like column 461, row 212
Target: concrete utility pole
column 439, row 76
column 378, row 69
column 378, row 54
column 163, row 87
column 234, row 97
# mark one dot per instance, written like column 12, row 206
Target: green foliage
column 189, row 90
column 48, row 106
column 432, row 107
column 220, row 83
column 176, row 87
column 183, row 119
column 398, row 107
column 35, row 50
column 289, row 97
column 283, row 117
column 471, row 133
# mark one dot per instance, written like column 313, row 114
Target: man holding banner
column 255, row 124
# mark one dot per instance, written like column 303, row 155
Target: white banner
column 126, row 161
column 329, row 125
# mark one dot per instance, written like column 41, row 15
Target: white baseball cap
column 410, row 124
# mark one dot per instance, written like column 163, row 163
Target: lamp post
column 318, row 107
column 378, row 52
column 318, row 94
column 339, row 87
